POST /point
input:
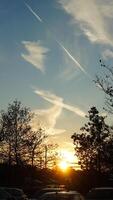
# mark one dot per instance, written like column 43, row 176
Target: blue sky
column 49, row 56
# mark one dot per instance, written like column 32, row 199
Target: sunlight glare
column 68, row 156
column 63, row 165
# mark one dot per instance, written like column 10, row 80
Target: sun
column 63, row 165
column 67, row 160
column 68, row 156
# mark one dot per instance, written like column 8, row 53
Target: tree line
column 20, row 144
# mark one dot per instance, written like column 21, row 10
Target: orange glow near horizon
column 68, row 156
column 63, row 165
column 67, row 160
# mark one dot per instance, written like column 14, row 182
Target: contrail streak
column 59, row 102
column 72, row 58
column 30, row 9
column 59, row 43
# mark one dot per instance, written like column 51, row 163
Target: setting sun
column 67, row 156
column 63, row 165
column 67, row 160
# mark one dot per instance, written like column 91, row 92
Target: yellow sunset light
column 63, row 165
column 67, row 160
column 68, row 156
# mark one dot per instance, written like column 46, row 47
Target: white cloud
column 47, row 119
column 58, row 101
column 107, row 54
column 104, row 114
column 92, row 17
column 36, row 54
column 107, row 8
column 68, row 73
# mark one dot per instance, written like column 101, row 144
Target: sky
column 49, row 57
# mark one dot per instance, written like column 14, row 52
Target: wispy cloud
column 107, row 8
column 107, row 54
column 92, row 17
column 35, row 55
column 47, row 119
column 58, row 101
column 68, row 73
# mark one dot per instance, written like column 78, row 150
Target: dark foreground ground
column 32, row 179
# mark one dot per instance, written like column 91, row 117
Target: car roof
column 4, row 188
column 62, row 192
column 4, row 193
column 52, row 188
column 68, row 194
column 105, row 193
column 102, row 188
column 46, row 190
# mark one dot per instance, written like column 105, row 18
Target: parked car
column 62, row 195
column 48, row 189
column 4, row 195
column 17, row 193
column 101, row 193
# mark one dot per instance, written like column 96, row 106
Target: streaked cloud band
column 52, row 98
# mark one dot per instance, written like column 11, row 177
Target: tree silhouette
column 19, row 143
column 15, row 123
column 34, row 142
column 105, row 83
column 47, row 155
column 51, row 155
column 94, row 144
